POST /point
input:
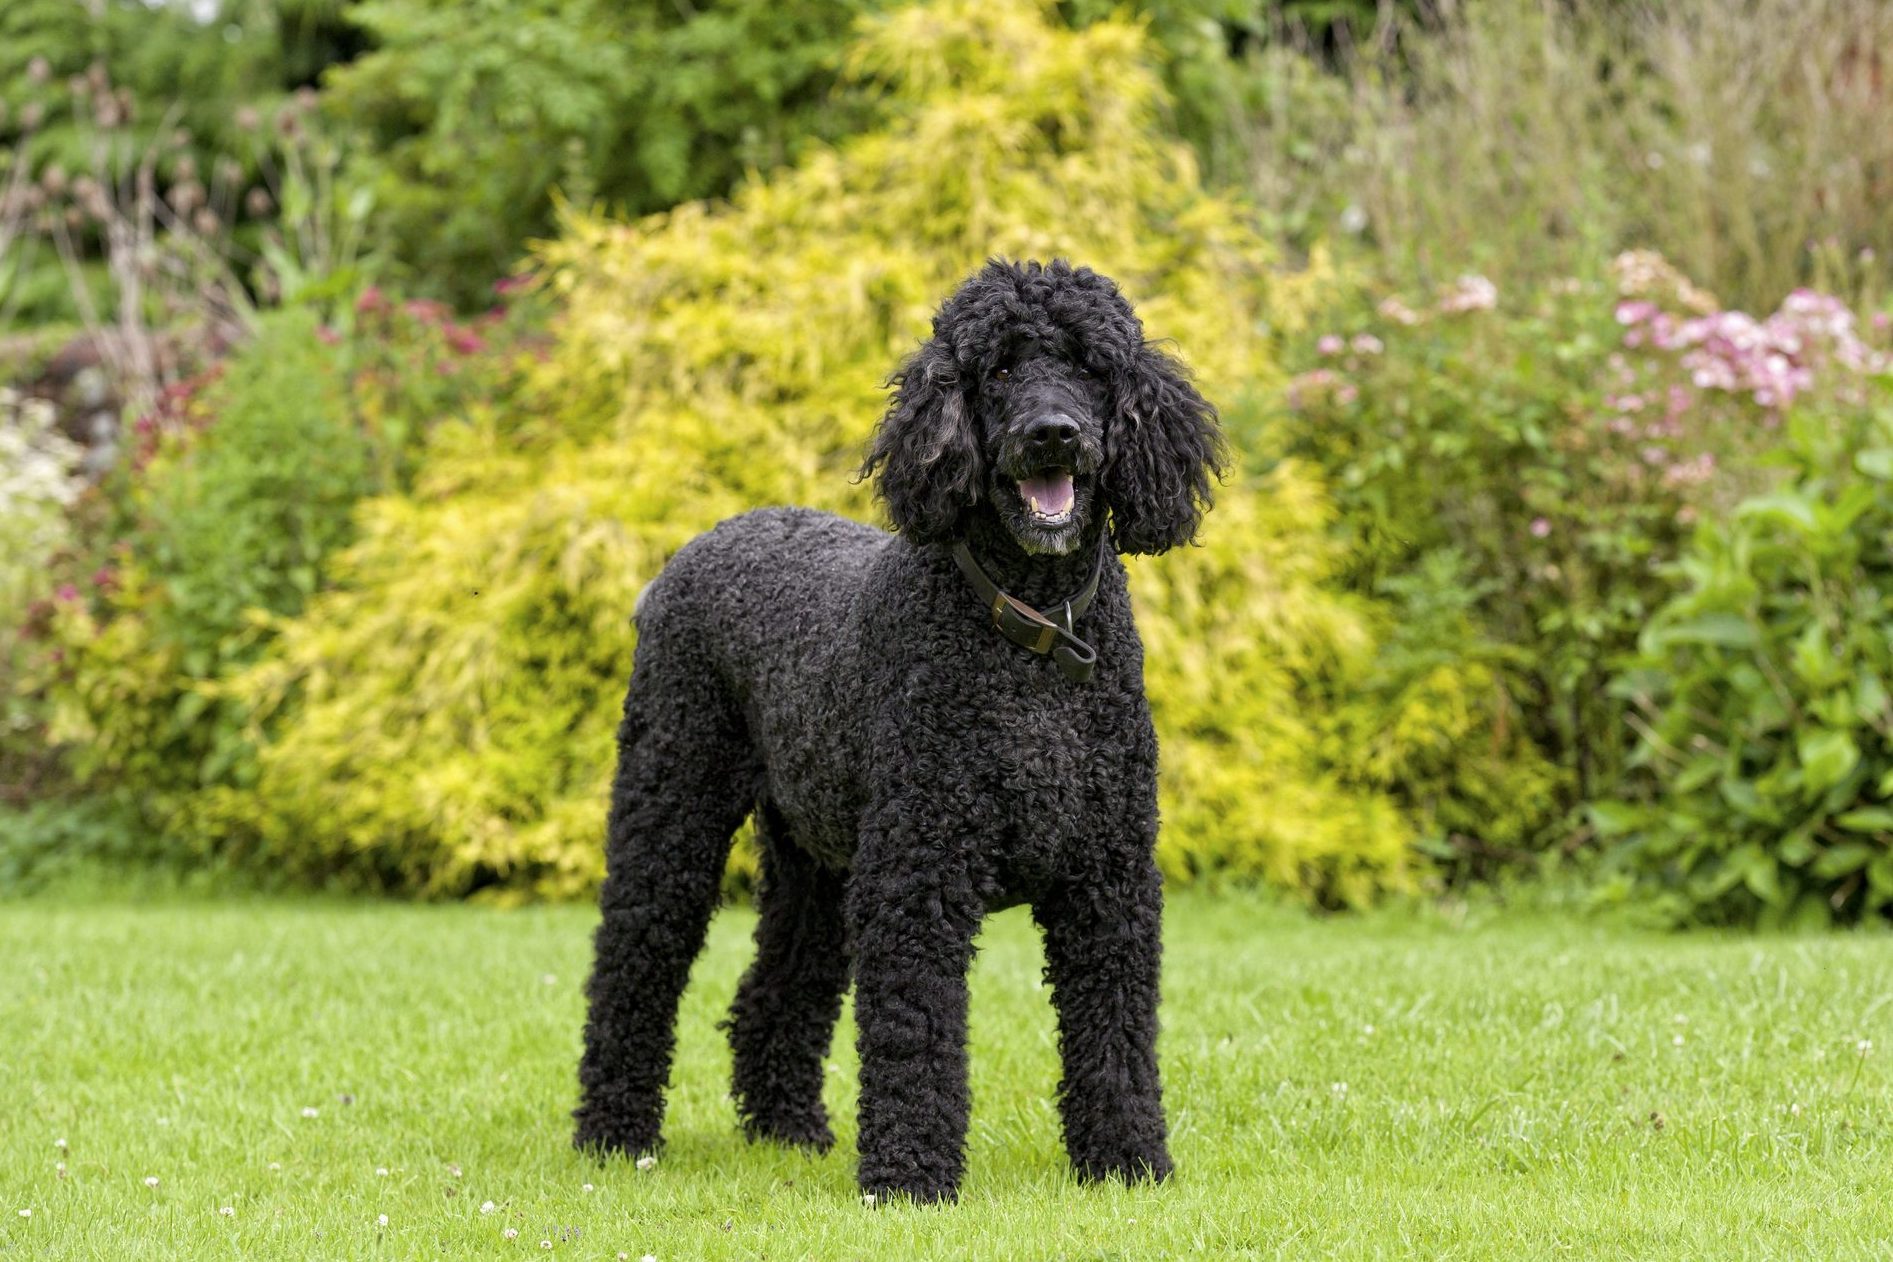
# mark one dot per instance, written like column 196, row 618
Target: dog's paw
column 1149, row 1166
column 807, row 1132
column 610, row 1137
column 915, row 1184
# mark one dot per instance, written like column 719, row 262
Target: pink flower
column 1367, row 344
column 1540, row 527
column 1399, row 312
column 1470, row 292
column 327, row 336
column 1310, row 387
column 67, row 592
column 1330, row 344
column 371, row 301
column 463, row 339
column 1635, row 312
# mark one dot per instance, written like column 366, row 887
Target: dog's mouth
column 1049, row 496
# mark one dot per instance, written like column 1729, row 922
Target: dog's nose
column 1051, row 433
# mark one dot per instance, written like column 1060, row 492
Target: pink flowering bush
column 1548, row 456
column 1760, row 788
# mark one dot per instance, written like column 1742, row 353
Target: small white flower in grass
column 1368, row 1030
column 586, row 1187
column 381, row 1171
column 647, row 1162
column 1339, row 1089
column 488, row 1207
column 868, row 1199
column 26, row 1213
column 545, row 1244
column 276, row 1165
column 228, row 1211
column 151, row 1180
column 1795, row 1108
column 649, row 1257
column 59, row 1168
column 60, row 1144
column 453, row 1168
column 1677, row 1041
column 511, row 1233
column 381, row 1220
column 1864, row 1047
column 311, row 1111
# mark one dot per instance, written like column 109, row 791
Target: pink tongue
column 1051, row 492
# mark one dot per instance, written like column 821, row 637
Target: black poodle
column 927, row 726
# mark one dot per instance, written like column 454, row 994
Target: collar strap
column 1030, row 629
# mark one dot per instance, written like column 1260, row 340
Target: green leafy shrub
column 239, row 490
column 441, row 721
column 1761, row 691
column 1515, row 484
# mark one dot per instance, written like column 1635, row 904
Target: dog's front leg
column 912, row 914
column 1103, row 942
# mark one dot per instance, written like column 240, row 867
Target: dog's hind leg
column 784, row 1015
column 686, row 778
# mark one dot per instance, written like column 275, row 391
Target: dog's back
column 766, row 611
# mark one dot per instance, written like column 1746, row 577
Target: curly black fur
column 909, row 769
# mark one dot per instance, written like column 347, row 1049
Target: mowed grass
column 1393, row 1087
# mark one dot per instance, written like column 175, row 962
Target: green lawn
column 1349, row 1088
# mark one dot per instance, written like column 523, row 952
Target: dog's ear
column 925, row 449
column 1162, row 451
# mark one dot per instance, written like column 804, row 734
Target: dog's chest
column 1058, row 773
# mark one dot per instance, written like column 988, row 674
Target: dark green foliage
column 473, row 114
column 57, row 842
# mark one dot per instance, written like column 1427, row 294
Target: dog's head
column 1037, row 399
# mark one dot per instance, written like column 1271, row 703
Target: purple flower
column 1540, row 527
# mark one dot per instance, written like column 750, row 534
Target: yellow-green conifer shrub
column 442, row 721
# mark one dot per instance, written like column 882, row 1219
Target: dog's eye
column 1002, row 374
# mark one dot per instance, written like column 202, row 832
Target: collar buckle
column 1032, row 630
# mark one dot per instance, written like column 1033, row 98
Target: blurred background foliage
column 367, row 357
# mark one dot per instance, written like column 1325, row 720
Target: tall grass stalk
column 1747, row 140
